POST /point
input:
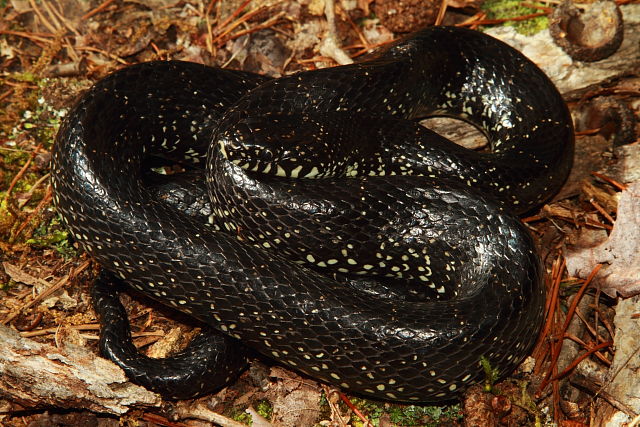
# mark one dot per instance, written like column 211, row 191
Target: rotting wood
column 36, row 376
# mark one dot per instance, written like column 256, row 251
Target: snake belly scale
column 300, row 171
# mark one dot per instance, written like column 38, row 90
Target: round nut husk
column 587, row 35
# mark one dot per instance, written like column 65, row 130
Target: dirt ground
column 52, row 50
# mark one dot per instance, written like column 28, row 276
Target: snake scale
column 342, row 238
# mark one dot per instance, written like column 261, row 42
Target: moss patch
column 501, row 9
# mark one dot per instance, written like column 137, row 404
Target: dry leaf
column 620, row 254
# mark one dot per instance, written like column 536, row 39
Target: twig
column 359, row 33
column 441, row 11
column 207, row 20
column 220, row 39
column 270, row 22
column 235, row 53
column 3, row 96
column 597, row 389
column 202, row 412
column 45, row 201
column 235, row 13
column 601, row 317
column 363, row 418
column 584, row 344
column 102, row 6
column 602, row 211
column 104, row 52
column 52, row 29
column 42, row 37
column 34, row 187
column 156, row 419
column 330, row 46
column 21, row 172
column 47, row 292
column 611, row 181
column 336, row 414
column 52, row 15
column 551, row 302
column 52, row 330
column 587, row 132
column 502, row 20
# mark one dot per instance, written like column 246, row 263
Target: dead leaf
column 170, row 342
column 294, row 399
column 620, row 253
column 21, row 276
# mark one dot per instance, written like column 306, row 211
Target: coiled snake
column 347, row 241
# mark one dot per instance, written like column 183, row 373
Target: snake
column 326, row 228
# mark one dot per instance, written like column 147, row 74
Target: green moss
column 37, row 123
column 24, row 77
column 42, row 121
column 372, row 410
column 323, row 406
column 240, row 416
column 264, row 408
column 25, row 184
column 14, row 157
column 404, row 415
column 52, row 235
column 424, row 415
column 37, row 117
column 500, row 9
column 490, row 374
column 8, row 285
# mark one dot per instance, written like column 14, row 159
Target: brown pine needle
column 611, row 181
column 355, row 410
column 580, row 358
column 558, row 344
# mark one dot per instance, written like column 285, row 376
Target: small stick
column 611, row 181
column 602, row 211
column 355, row 410
column 102, row 6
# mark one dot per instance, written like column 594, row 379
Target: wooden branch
column 34, row 376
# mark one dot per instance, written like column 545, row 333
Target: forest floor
column 52, row 50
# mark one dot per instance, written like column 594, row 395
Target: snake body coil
column 329, row 168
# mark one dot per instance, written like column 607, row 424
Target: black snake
column 407, row 266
